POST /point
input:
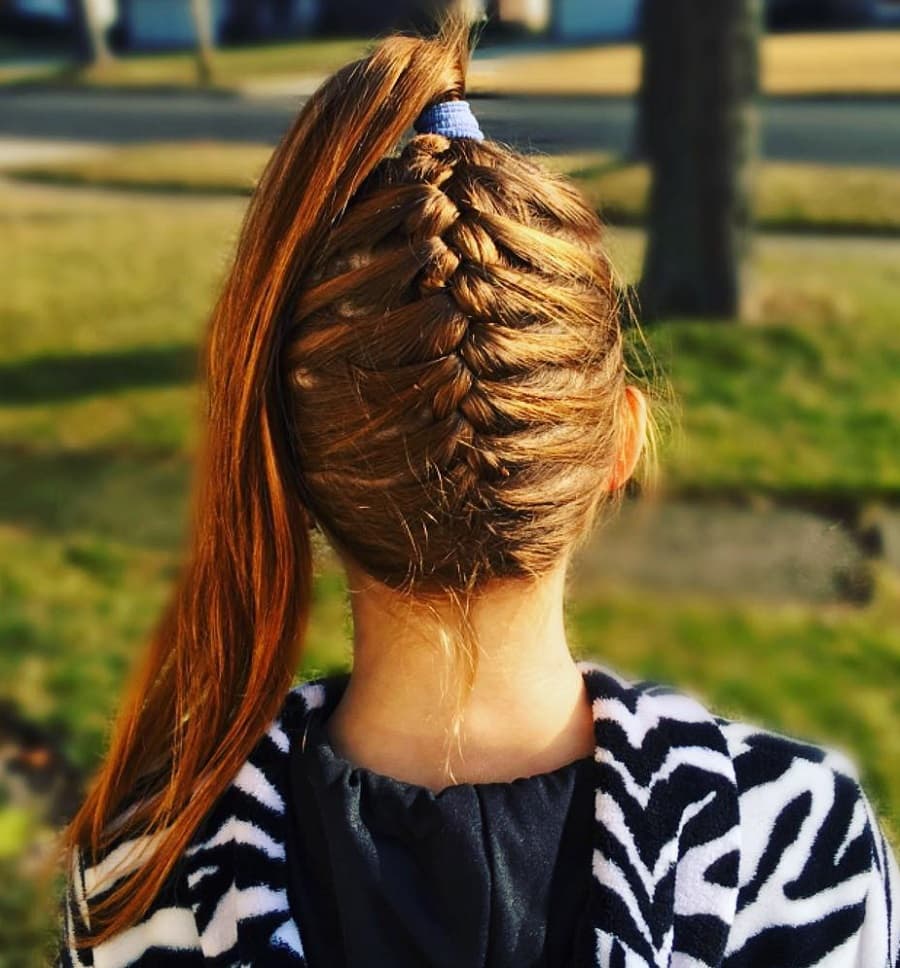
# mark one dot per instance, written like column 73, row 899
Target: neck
column 527, row 712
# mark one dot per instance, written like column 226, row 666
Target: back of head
column 455, row 368
column 421, row 352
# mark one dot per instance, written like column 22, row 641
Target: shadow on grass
column 45, row 379
column 137, row 497
column 153, row 186
column 73, row 79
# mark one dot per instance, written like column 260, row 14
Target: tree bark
column 642, row 109
column 90, row 34
column 201, row 12
column 699, row 130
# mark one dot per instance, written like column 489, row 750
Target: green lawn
column 791, row 196
column 798, row 403
column 104, row 297
column 199, row 167
column 232, row 66
column 860, row 63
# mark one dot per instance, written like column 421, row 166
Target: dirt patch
column 766, row 554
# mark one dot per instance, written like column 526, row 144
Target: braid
column 458, row 362
column 461, row 408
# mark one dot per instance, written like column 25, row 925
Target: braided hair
column 457, row 368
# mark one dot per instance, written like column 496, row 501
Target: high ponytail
column 228, row 644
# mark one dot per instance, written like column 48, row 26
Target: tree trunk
column 638, row 151
column 90, row 33
column 201, row 12
column 700, row 133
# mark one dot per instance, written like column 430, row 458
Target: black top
column 388, row 873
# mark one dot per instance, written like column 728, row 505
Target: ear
column 634, row 436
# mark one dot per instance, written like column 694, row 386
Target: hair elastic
column 452, row 119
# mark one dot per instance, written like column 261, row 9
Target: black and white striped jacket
column 716, row 843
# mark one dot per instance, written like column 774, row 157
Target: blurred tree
column 90, row 31
column 365, row 17
column 639, row 134
column 361, row 17
column 201, row 11
column 699, row 131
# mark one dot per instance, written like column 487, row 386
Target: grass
column 105, row 296
column 795, row 65
column 233, row 66
column 828, row 63
column 76, row 604
column 798, row 403
column 199, row 167
column 790, row 196
column 855, row 63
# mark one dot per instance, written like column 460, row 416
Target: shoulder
column 817, row 875
column 804, row 796
column 659, row 719
column 243, row 842
column 761, row 755
column 784, row 780
column 248, row 814
column 813, row 876
column 257, row 791
column 201, row 910
column 818, row 878
column 167, row 927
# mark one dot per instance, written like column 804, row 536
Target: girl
column 420, row 355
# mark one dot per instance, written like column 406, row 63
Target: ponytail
column 227, row 646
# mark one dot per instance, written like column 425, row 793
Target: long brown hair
column 422, row 354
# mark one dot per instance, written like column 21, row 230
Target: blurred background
column 746, row 158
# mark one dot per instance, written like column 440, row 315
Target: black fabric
column 387, row 873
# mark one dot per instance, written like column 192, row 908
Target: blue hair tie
column 452, row 119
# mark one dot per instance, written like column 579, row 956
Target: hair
column 421, row 353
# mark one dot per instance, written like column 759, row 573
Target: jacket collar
column 664, row 856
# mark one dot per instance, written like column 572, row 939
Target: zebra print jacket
column 717, row 844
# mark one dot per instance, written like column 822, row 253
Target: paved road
column 865, row 132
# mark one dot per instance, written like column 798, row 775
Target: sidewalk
column 26, row 151
column 282, row 86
